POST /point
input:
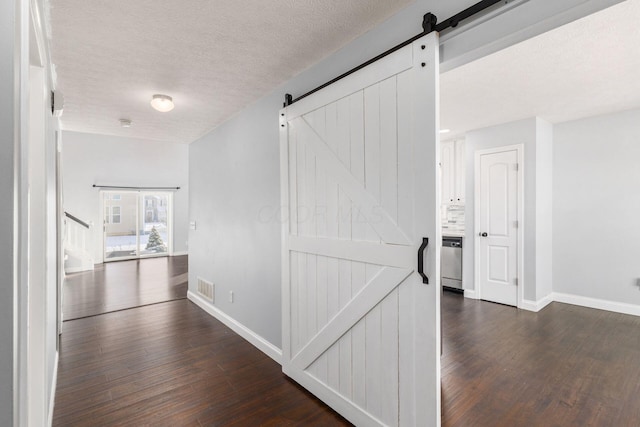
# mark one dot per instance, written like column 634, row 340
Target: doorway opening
column 575, row 167
column 137, row 224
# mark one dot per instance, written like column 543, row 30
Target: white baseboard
column 180, row 253
column 536, row 306
column 600, row 304
column 470, row 293
column 260, row 343
column 54, row 384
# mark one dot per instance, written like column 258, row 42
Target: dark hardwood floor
column 563, row 366
column 124, row 284
column 172, row 364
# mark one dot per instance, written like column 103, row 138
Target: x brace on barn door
column 429, row 24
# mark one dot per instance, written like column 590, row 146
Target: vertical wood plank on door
column 294, row 283
column 373, row 348
column 333, row 306
column 344, row 345
column 302, row 299
column 372, row 149
column 359, row 362
column 301, row 177
column 389, row 356
column 406, row 414
column 356, row 107
column 332, row 195
column 332, row 199
column 311, row 228
column 352, row 372
column 310, row 193
column 406, row 223
column 329, row 360
column 405, row 158
column 312, row 296
column 345, row 233
column 356, row 129
column 293, row 189
column 345, row 213
column 321, row 369
column 372, row 140
column 303, row 215
column 344, row 131
column 331, row 126
column 389, row 148
column 320, row 211
column 333, row 214
column 373, row 367
column 320, row 126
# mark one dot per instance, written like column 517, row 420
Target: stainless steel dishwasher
column 451, row 262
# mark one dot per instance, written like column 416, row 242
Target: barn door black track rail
column 429, row 25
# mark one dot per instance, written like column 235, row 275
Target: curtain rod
column 120, row 187
column 429, row 25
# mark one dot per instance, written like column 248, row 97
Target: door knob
column 483, row 234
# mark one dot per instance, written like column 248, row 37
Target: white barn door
column 360, row 184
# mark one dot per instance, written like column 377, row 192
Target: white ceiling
column 586, row 68
column 214, row 57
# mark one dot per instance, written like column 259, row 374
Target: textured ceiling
column 214, row 57
column 586, row 68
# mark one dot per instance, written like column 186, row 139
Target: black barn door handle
column 425, row 243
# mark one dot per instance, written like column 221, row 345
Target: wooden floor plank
column 171, row 364
column 563, row 366
column 122, row 285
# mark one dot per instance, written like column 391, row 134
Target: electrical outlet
column 230, row 296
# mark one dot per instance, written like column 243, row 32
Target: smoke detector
column 125, row 123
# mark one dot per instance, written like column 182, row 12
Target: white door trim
column 476, row 219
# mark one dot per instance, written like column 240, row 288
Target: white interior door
column 498, row 226
column 360, row 182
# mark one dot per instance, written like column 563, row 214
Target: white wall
column 596, row 207
column 27, row 219
column 520, row 132
column 234, row 169
column 108, row 160
column 43, row 262
column 536, row 135
column 8, row 116
column 234, row 200
column 544, row 207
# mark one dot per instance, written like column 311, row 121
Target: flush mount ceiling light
column 162, row 103
column 445, row 130
column 125, row 123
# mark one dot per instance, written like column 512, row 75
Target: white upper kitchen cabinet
column 448, row 164
column 452, row 160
